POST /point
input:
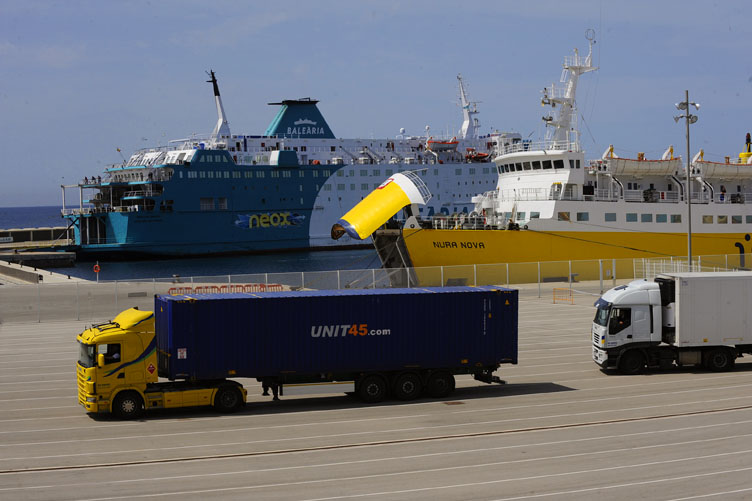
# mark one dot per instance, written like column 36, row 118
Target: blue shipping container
column 288, row 334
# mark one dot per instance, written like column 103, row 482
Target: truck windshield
column 85, row 354
column 602, row 312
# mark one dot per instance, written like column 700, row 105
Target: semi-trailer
column 373, row 342
column 701, row 319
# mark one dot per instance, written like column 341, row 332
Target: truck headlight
column 91, row 399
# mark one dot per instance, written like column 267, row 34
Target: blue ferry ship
column 226, row 193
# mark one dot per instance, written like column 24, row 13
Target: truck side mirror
column 100, row 360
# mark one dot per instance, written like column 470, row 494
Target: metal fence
column 91, row 301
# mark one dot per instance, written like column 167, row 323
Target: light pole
column 690, row 119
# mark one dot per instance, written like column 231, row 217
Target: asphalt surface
column 559, row 429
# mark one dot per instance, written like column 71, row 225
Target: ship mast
column 222, row 128
column 470, row 124
column 564, row 129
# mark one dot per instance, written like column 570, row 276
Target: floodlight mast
column 690, row 119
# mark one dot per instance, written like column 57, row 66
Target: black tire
column 372, row 389
column 720, row 360
column 227, row 399
column 440, row 384
column 128, row 405
column 632, row 362
column 407, row 386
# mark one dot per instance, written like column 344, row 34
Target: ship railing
column 547, row 145
column 732, row 198
column 143, row 193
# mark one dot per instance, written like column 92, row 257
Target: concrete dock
column 559, row 429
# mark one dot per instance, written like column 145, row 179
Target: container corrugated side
column 255, row 335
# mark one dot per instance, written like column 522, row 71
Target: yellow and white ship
column 550, row 205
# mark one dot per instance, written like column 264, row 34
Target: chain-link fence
column 90, row 301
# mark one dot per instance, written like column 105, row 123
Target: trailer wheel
column 372, row 389
column 407, row 386
column 631, row 362
column 720, row 360
column 440, row 384
column 128, row 405
column 227, row 399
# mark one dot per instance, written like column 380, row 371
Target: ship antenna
column 222, row 128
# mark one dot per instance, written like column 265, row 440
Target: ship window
column 224, row 159
column 736, row 220
column 535, row 215
column 326, row 173
column 646, row 218
column 206, row 203
column 227, row 174
column 352, row 187
column 707, row 219
column 376, row 172
column 661, row 218
column 547, row 164
column 520, row 216
column 327, row 187
column 577, row 163
column 275, row 173
column 315, row 173
column 558, row 164
column 260, row 173
column 389, row 172
column 201, row 158
column 341, row 187
column 610, row 217
column 364, row 172
column 458, row 172
column 583, row 216
column 536, row 165
column 631, row 217
column 201, row 174
column 236, row 175
column 485, row 170
column 210, row 174
column 748, row 219
column 518, row 166
column 301, row 201
column 722, row 220
column 472, row 170
column 376, row 185
column 340, row 173
column 676, row 218
column 222, row 203
column 563, row 216
column 508, row 215
column 364, row 186
column 571, row 163
column 181, row 174
column 527, row 166
column 301, row 173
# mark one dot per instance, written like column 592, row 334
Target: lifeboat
column 435, row 145
column 476, row 156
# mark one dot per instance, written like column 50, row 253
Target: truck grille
column 596, row 338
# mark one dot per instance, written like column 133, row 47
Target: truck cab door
column 641, row 324
column 619, row 327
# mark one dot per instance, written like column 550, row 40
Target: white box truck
column 679, row 318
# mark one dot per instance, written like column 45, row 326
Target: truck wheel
column 227, row 399
column 440, row 384
column 632, row 362
column 407, row 386
column 720, row 360
column 372, row 389
column 128, row 405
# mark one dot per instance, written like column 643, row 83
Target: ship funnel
column 381, row 204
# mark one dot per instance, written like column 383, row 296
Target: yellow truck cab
column 118, row 372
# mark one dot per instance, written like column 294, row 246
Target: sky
column 80, row 79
